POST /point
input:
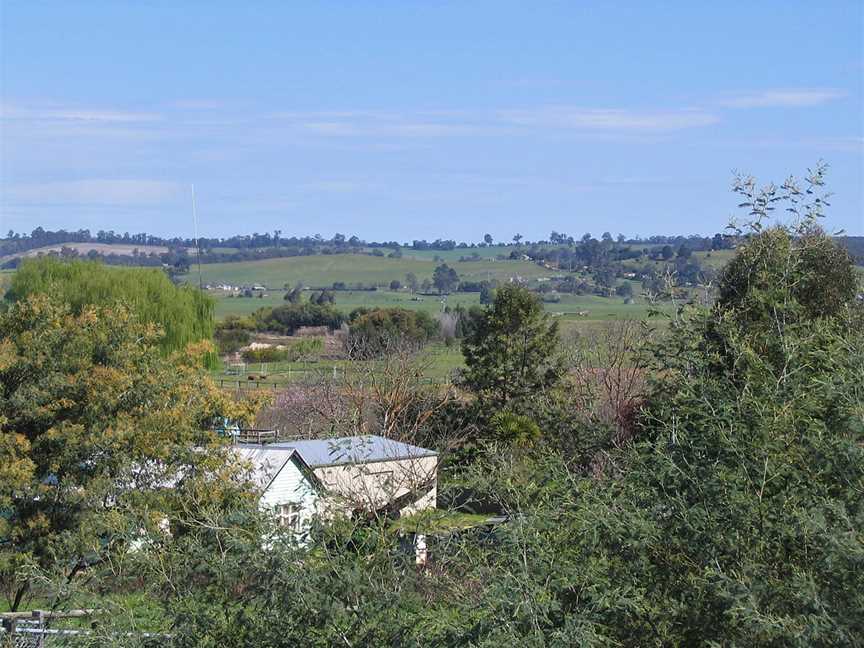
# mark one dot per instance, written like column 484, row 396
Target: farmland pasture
column 323, row 270
column 715, row 258
column 592, row 307
column 452, row 256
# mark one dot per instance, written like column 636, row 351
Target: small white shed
column 329, row 477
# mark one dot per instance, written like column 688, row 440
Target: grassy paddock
column 324, row 270
column 453, row 256
column 440, row 360
column 592, row 306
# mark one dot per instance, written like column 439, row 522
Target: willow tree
column 184, row 313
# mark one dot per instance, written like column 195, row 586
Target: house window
column 383, row 478
column 288, row 516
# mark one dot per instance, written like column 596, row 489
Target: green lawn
column 440, row 361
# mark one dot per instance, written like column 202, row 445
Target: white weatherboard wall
column 279, row 474
column 291, row 486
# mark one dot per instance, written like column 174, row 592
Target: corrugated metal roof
column 351, row 450
column 266, row 461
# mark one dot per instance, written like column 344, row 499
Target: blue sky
column 400, row 120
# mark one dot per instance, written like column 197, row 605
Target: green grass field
column 452, row 256
column 324, row 270
column 593, row 307
column 715, row 259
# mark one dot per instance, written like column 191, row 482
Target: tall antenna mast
column 197, row 246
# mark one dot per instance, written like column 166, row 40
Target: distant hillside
column 146, row 250
column 83, row 249
column 855, row 245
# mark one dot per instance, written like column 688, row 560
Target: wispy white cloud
column 73, row 114
column 461, row 123
column 184, row 119
column 96, row 192
column 199, row 104
column 390, row 129
column 790, row 98
column 575, row 118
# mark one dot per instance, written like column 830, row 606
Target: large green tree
column 740, row 513
column 95, row 423
column 445, row 278
column 511, row 351
column 737, row 518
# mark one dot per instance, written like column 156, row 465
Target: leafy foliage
column 184, row 314
column 445, row 279
column 374, row 332
column 93, row 422
column 515, row 429
column 265, row 354
column 511, row 351
column 819, row 271
column 287, row 319
column 233, row 333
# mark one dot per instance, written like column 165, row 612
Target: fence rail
column 239, row 384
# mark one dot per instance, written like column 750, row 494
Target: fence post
column 39, row 617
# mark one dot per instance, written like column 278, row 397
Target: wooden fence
column 240, row 384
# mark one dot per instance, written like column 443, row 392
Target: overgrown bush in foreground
column 94, row 422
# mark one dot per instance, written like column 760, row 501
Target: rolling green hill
column 451, row 256
column 323, row 270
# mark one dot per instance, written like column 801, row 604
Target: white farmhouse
column 342, row 476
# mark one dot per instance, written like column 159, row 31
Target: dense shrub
column 265, row 354
column 231, row 340
column 233, row 333
column 287, row 319
column 820, row 270
column 373, row 331
column 304, row 349
column 298, row 350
